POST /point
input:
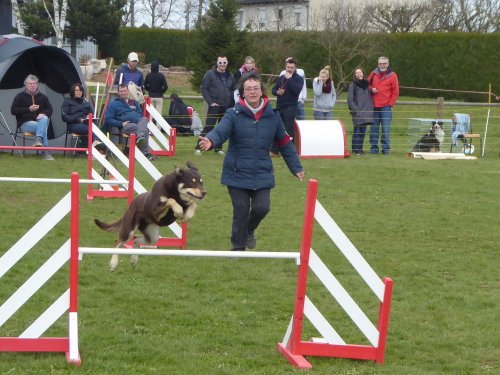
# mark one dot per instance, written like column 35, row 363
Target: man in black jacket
column 217, row 88
column 33, row 110
column 156, row 85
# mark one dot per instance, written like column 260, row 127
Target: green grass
column 432, row 226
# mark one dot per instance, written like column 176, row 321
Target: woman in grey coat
column 359, row 100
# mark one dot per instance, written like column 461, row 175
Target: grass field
column 432, row 226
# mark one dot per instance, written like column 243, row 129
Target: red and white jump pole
column 293, row 348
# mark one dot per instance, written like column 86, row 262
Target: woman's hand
column 300, row 175
column 204, row 143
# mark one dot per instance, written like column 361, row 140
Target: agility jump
column 293, row 348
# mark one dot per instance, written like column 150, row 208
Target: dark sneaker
column 140, row 143
column 149, row 156
column 38, row 142
column 251, row 241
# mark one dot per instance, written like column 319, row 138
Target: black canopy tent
column 56, row 69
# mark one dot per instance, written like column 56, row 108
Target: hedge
column 452, row 61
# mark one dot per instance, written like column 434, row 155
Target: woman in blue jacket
column 251, row 127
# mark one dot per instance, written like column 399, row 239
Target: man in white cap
column 129, row 72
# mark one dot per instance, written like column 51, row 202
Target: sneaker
column 140, row 143
column 99, row 146
column 251, row 241
column 220, row 152
column 47, row 156
column 197, row 152
column 38, row 142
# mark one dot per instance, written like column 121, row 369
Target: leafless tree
column 58, row 21
column 190, row 13
column 339, row 16
column 129, row 16
column 17, row 16
column 340, row 29
column 435, row 15
column 161, row 13
column 397, row 17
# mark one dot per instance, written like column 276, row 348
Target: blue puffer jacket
column 247, row 164
column 120, row 111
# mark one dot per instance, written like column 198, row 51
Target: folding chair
column 24, row 136
column 74, row 136
column 462, row 130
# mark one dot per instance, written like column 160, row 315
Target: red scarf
column 327, row 86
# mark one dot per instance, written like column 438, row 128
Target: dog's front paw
column 189, row 212
column 175, row 207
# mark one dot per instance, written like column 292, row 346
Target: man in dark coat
column 33, row 110
column 156, row 85
column 217, row 88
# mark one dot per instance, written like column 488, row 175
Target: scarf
column 362, row 83
column 327, row 86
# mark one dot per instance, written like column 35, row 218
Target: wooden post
column 440, row 108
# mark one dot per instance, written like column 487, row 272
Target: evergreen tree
column 99, row 19
column 36, row 21
column 217, row 34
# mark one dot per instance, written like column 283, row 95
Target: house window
column 298, row 19
column 262, row 18
column 279, row 14
column 297, row 13
column 240, row 20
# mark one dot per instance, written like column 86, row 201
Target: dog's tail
column 110, row 227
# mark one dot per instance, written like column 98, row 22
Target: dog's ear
column 177, row 171
column 191, row 165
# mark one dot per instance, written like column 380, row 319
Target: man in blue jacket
column 287, row 90
column 129, row 72
column 126, row 115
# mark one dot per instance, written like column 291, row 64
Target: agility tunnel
column 292, row 347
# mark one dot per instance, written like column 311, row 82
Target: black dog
column 432, row 140
column 172, row 197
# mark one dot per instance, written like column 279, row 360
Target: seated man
column 126, row 115
column 75, row 111
column 33, row 110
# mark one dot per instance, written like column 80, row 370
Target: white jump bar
column 193, row 253
column 60, row 180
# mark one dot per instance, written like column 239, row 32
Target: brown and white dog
column 172, row 197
